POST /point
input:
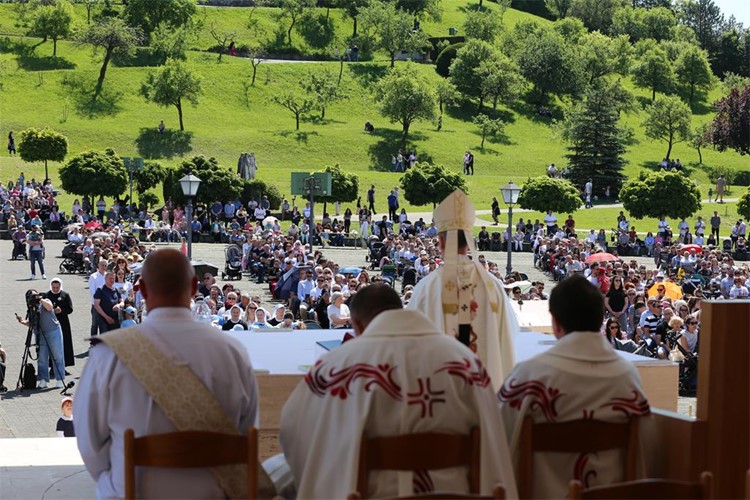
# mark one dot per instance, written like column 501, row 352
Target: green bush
column 256, row 188
column 445, row 58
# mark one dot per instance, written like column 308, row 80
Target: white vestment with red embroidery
column 493, row 322
column 401, row 376
column 581, row 376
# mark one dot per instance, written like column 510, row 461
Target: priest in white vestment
column 462, row 298
column 400, row 376
column 579, row 377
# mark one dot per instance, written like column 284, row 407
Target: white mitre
column 456, row 213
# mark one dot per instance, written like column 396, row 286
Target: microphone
column 68, row 386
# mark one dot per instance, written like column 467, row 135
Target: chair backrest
column 498, row 493
column 747, row 485
column 426, row 451
column 646, row 489
column 575, row 436
column 191, row 449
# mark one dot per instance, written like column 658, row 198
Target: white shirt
column 550, row 220
column 110, row 400
column 337, row 313
column 96, row 281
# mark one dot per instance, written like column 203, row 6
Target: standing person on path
column 464, row 299
column 588, row 192
column 35, row 240
column 468, row 163
column 108, row 302
column 721, row 184
column 111, row 397
column 495, row 210
column 11, row 144
column 63, row 307
column 371, row 199
column 96, row 281
column 392, row 207
column 715, row 225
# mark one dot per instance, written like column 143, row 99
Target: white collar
column 168, row 313
column 400, row 322
column 584, row 346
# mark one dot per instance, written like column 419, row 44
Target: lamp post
column 510, row 194
column 189, row 185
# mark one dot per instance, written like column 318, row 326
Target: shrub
column 445, row 58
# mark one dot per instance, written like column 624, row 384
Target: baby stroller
column 409, row 278
column 19, row 250
column 233, row 263
column 374, row 257
column 72, row 260
column 688, row 378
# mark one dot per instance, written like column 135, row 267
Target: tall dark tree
column 706, row 19
column 731, row 126
column 597, row 141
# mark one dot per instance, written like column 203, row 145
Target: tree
column 323, row 89
column 501, row 80
column 171, row 85
column 42, row 145
column 257, row 56
column 700, row 139
column 546, row 193
column 317, row 29
column 558, row 8
column 550, row 64
column 256, row 189
column 52, row 22
column 657, row 23
column 148, row 14
column 671, row 194
column 298, row 104
column 351, row 10
column 406, row 95
column 217, row 183
column 94, row 174
column 464, row 71
column 344, row 186
column 488, row 126
column 483, row 25
column 731, row 125
column 743, row 205
column 222, row 38
column 446, row 93
column 425, row 183
column 393, row 29
column 595, row 14
column 169, row 42
column 668, row 119
column 597, row 141
column 654, row 71
column 150, row 176
column 89, row 4
column 113, row 36
column 293, row 10
column 602, row 55
column 705, row 18
column 693, row 70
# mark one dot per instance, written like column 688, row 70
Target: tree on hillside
column 171, row 85
column 546, row 193
column 256, row 189
column 602, row 55
column 501, row 81
column 90, row 5
column 323, row 89
column 392, row 29
column 296, row 103
column 113, row 36
column 488, row 126
column 317, row 29
column 405, row 95
column 94, row 174
column 731, row 126
column 700, row 139
column 693, row 71
column 595, row 14
column 705, row 18
column 483, row 25
column 446, row 94
column 223, row 38
column 152, row 174
column 42, row 145
column 671, row 194
column 743, row 205
column 148, row 14
column 551, row 64
column 217, row 182
column 731, row 56
column 256, row 56
column 597, row 141
column 292, row 9
column 420, row 9
column 668, row 119
column 657, row 23
column 344, row 186
column 653, row 70
column 425, row 183
column 571, row 29
column 52, row 22
column 351, row 10
column 558, row 8
column 464, row 70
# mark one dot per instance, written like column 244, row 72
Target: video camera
column 33, row 299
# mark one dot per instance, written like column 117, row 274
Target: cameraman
column 49, row 337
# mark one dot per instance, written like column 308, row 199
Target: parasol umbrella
column 524, row 285
column 93, row 225
column 671, row 290
column 202, row 267
column 353, row 270
column 99, row 234
column 601, row 257
column 686, row 248
column 270, row 221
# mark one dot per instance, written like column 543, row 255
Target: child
column 65, row 423
column 129, row 313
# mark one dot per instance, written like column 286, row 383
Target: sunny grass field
column 232, row 118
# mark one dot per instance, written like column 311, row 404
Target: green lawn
column 231, row 119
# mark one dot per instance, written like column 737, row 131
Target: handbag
column 185, row 401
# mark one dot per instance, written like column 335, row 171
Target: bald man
column 111, row 398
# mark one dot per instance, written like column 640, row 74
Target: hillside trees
column 545, row 193
column 743, row 205
column 148, row 14
column 731, row 126
column 406, row 95
column 653, row 71
column 351, row 10
column 42, row 145
column 425, row 183
column 217, row 182
column 293, row 10
column 482, row 71
column 488, row 126
column 392, row 29
column 597, row 141
column 112, row 35
column 693, row 71
column 171, row 85
column 668, row 119
column 671, row 194
column 344, row 186
column 484, row 26
column 705, row 18
column 601, row 55
column 52, row 21
column 94, row 174
column 323, row 88
column 294, row 102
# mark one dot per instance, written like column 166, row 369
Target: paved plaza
column 30, row 414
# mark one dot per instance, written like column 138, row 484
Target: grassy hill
column 38, row 91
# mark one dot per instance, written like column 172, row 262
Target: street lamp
column 189, row 185
column 510, row 194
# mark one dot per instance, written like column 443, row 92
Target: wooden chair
column 576, row 436
column 498, row 493
column 426, row 451
column 646, row 489
column 747, row 485
column 191, row 449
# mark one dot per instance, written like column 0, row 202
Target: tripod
column 34, row 329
